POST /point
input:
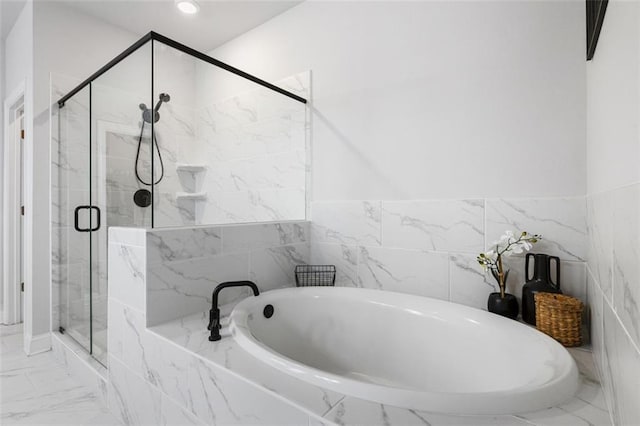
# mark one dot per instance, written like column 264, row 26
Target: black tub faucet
column 214, row 312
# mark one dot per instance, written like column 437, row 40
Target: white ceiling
column 216, row 23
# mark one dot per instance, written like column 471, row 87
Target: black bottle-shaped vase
column 541, row 282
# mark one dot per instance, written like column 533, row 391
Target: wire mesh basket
column 315, row 275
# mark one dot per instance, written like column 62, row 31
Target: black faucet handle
column 214, row 318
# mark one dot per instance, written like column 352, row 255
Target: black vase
column 541, row 282
column 506, row 306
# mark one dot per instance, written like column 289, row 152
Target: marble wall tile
column 177, row 120
column 316, row 421
column 347, row 222
column 561, row 221
column 115, row 329
column 344, row 257
column 626, row 259
column 354, row 411
column 127, row 270
column 440, row 225
column 405, row 271
column 266, row 253
column 469, row 284
column 171, row 211
column 256, row 142
column 128, row 236
column 131, row 399
column 167, row 245
column 228, row 354
column 240, row 238
column 159, row 362
column 80, row 365
column 274, row 267
column 282, row 170
column 595, row 307
column 264, row 205
column 600, row 239
column 176, row 289
column 173, row 415
column 221, row 398
column 573, row 276
column 622, row 362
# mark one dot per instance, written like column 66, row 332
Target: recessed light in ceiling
column 189, row 7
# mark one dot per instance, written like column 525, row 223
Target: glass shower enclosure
column 164, row 136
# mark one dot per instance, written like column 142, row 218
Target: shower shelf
column 195, row 196
column 182, row 167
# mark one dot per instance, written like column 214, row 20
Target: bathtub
column 407, row 351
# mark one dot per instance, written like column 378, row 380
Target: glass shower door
column 72, row 264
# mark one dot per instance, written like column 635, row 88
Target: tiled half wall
column 429, row 247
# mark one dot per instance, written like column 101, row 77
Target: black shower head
column 147, row 114
column 164, row 97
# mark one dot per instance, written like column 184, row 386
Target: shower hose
column 157, row 148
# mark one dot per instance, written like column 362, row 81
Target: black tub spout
column 214, row 313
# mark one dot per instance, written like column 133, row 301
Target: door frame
column 14, row 247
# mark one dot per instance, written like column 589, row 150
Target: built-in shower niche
column 192, row 197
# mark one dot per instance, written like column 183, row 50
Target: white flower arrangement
column 507, row 245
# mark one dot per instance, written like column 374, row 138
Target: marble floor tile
column 36, row 390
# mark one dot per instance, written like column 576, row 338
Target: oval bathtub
column 408, row 351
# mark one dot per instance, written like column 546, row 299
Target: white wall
column 18, row 70
column 613, row 200
column 478, row 103
column 1, row 160
column 69, row 43
column 434, row 99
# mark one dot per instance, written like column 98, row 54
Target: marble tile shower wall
column 183, row 265
column 614, row 294
column 255, row 146
column 116, row 128
column 429, row 247
column 266, row 181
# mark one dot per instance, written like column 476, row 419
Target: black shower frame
column 153, row 36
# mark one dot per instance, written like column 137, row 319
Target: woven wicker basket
column 560, row 317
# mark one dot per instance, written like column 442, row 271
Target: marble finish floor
column 36, row 390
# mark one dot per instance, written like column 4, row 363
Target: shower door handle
column 76, row 218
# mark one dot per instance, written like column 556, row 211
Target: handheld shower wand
column 147, row 116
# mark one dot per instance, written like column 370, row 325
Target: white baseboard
column 37, row 344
